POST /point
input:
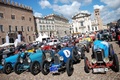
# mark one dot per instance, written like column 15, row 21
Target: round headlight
column 49, row 59
column 26, row 51
column 42, row 46
column 79, row 52
column 28, row 60
column 55, row 46
column 85, row 45
column 61, row 58
column 106, row 60
column 62, row 45
column 3, row 61
column 94, row 61
column 21, row 60
column 82, row 45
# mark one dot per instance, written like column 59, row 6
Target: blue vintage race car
column 29, row 61
column 8, row 59
column 103, row 58
column 8, row 63
column 63, row 59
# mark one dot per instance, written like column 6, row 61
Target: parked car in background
column 53, row 41
column 85, row 44
column 107, row 35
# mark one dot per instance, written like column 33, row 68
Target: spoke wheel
column 69, row 67
column 35, row 68
column 44, row 68
column 7, row 68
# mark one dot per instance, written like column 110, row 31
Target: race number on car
column 67, row 53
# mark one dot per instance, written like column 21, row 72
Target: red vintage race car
column 54, row 47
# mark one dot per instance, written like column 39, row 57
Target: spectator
column 116, row 31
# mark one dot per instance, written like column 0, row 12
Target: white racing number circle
column 67, row 53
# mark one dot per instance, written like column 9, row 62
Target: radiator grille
column 99, row 56
column 56, row 59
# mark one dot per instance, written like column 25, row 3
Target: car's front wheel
column 17, row 68
column 35, row 68
column 69, row 67
column 115, row 66
column 7, row 69
column 45, row 67
column 86, row 67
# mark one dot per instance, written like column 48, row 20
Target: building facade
column 81, row 23
column 45, row 26
column 53, row 25
column 94, row 25
column 16, row 21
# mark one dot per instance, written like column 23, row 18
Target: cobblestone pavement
column 78, row 74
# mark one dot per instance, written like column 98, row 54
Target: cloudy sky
column 110, row 9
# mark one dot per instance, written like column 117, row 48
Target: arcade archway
column 11, row 40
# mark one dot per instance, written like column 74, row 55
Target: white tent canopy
column 6, row 44
column 41, row 37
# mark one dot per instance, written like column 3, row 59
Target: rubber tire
column 88, row 49
column 33, row 64
column 16, row 68
column 90, row 44
column 69, row 67
column 110, row 51
column 73, row 56
column 86, row 67
column 111, row 39
column 7, row 65
column 82, row 53
column 115, row 66
column 93, row 55
column 42, row 67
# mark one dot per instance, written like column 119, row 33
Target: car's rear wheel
column 35, row 68
column 75, row 56
column 45, row 67
column 86, row 67
column 69, row 67
column 7, row 69
column 17, row 68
